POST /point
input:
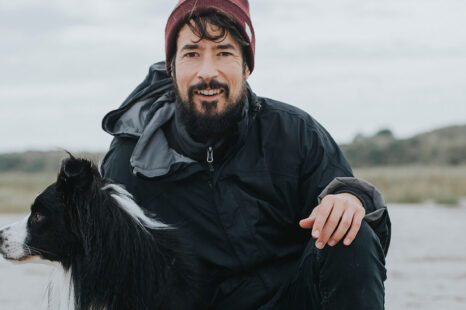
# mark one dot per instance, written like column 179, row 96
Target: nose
column 208, row 70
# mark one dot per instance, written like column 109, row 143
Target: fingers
column 356, row 225
column 330, row 225
column 337, row 215
column 343, row 227
column 321, row 215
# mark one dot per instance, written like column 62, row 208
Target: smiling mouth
column 209, row 93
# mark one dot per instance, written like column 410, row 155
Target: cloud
column 65, row 61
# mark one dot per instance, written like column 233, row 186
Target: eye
column 36, row 217
column 224, row 53
column 190, row 54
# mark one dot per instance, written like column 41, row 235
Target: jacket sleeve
column 376, row 210
column 326, row 171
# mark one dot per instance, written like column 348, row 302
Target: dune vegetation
column 427, row 167
column 445, row 185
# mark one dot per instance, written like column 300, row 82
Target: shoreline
column 422, row 263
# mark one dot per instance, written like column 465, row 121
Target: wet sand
column 426, row 263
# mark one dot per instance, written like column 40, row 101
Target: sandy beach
column 426, row 263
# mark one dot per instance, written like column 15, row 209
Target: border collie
column 113, row 254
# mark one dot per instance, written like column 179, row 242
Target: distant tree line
column 445, row 146
column 35, row 161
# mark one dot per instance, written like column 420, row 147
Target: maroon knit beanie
column 238, row 9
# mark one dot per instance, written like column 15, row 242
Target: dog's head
column 51, row 231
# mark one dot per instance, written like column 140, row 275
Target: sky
column 355, row 66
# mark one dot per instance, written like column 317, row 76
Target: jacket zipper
column 210, row 163
column 210, row 159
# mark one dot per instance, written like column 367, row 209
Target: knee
column 360, row 265
column 365, row 250
column 363, row 257
column 351, row 273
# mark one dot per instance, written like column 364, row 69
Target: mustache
column 213, row 84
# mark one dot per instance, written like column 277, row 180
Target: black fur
column 115, row 263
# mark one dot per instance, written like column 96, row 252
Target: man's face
column 209, row 75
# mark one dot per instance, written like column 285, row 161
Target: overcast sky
column 355, row 66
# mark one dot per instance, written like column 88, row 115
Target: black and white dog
column 113, row 254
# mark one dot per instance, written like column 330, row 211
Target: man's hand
column 343, row 210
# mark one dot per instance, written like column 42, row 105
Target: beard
column 210, row 125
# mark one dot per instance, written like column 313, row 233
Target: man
column 248, row 178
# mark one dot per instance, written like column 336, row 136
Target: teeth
column 210, row 92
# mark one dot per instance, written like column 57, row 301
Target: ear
column 72, row 167
column 75, row 173
column 172, row 68
column 247, row 72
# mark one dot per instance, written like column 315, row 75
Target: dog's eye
column 36, row 217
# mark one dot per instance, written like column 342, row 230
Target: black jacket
column 241, row 213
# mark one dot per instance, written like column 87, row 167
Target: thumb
column 307, row 222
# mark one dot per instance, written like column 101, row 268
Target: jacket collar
column 145, row 111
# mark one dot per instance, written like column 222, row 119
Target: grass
column 418, row 184
column 402, row 184
column 18, row 189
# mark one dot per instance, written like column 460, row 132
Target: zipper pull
column 210, row 158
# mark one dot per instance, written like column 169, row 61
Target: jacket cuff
column 356, row 187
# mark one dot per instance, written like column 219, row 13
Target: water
column 427, row 258
column 426, row 263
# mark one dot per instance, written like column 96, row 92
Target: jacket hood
column 131, row 117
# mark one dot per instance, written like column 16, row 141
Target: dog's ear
column 76, row 173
